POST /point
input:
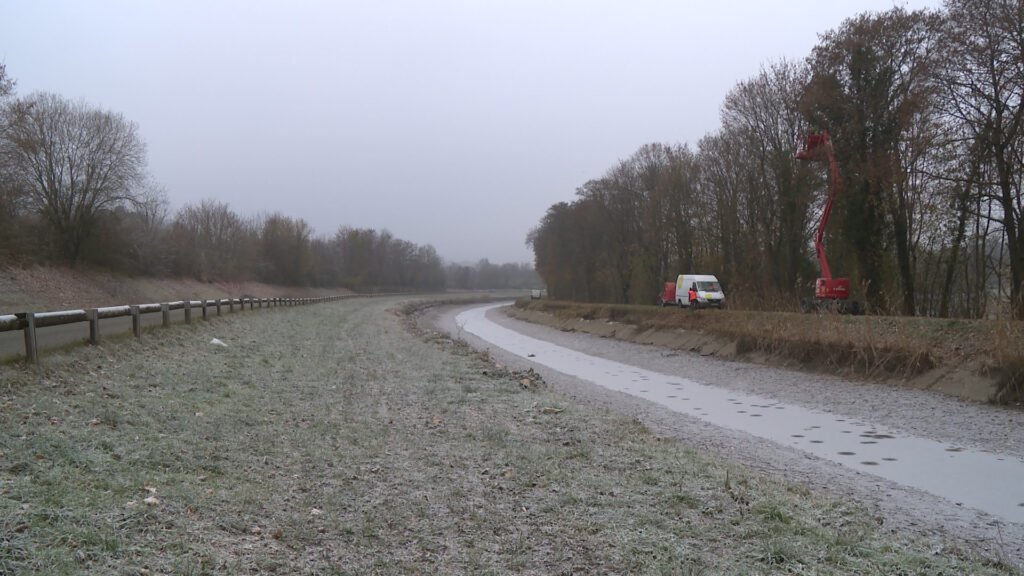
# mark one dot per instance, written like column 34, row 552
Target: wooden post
column 206, row 304
column 188, row 311
column 93, row 316
column 136, row 322
column 165, row 312
column 31, row 348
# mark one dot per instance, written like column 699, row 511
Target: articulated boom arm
column 819, row 147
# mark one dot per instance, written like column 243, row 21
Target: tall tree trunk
column 954, row 256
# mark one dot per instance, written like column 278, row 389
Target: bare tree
column 143, row 231
column 74, row 161
column 211, row 242
column 760, row 126
column 871, row 87
column 6, row 82
column 983, row 76
column 287, row 250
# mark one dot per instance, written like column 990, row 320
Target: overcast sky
column 450, row 123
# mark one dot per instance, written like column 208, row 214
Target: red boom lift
column 829, row 292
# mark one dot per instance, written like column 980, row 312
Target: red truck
column 668, row 294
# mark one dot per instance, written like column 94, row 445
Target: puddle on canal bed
column 984, row 480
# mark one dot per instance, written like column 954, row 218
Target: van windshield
column 709, row 287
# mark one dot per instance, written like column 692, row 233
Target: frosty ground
column 338, row 439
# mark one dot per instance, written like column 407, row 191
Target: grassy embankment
column 916, row 350
column 329, row 439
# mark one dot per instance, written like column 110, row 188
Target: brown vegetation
column 986, row 356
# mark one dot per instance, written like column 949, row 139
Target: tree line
column 74, row 190
column 925, row 112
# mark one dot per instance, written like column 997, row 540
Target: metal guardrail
column 31, row 322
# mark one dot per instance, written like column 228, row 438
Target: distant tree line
column 74, row 190
column 926, row 114
column 485, row 275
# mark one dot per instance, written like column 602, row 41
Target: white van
column 709, row 290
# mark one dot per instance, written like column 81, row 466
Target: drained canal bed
column 986, row 481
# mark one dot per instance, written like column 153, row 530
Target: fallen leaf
column 152, row 500
column 277, row 534
column 94, row 422
column 315, row 512
column 550, row 410
column 255, row 531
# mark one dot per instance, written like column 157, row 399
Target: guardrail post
column 218, row 305
column 93, row 316
column 136, row 322
column 188, row 311
column 231, row 304
column 165, row 313
column 206, row 304
column 261, row 303
column 31, row 350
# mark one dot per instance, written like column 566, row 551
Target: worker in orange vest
column 693, row 296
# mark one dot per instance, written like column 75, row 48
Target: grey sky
column 451, row 123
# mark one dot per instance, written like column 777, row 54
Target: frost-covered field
column 331, row 439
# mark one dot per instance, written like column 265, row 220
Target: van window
column 709, row 287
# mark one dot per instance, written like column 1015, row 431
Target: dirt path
column 915, row 412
